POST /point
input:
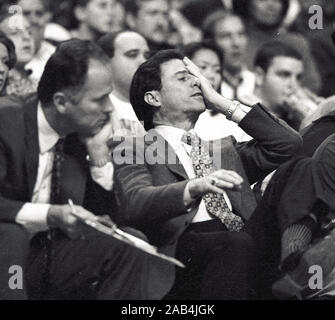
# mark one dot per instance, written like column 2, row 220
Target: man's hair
column 107, row 41
column 272, row 49
column 67, row 68
column 134, row 6
column 192, row 48
column 210, row 22
column 81, row 3
column 10, row 48
column 147, row 78
column 243, row 7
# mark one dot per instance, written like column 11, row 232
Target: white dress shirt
column 33, row 216
column 39, row 60
column 125, row 121
column 174, row 136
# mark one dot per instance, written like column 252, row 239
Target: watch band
column 232, row 108
column 98, row 163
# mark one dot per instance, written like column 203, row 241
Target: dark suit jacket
column 150, row 196
column 316, row 133
column 19, row 153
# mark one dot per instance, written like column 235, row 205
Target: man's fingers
column 215, row 189
column 192, row 68
column 229, row 176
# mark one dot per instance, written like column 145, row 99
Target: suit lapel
column 171, row 159
column 73, row 169
column 32, row 144
column 222, row 149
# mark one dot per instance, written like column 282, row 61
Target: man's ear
column 80, row 13
column 130, row 21
column 153, row 98
column 60, row 101
column 259, row 74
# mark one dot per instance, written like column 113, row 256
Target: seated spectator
column 182, row 31
column 151, row 19
column 97, row 17
column 7, row 61
column 187, row 208
column 300, row 198
column 279, row 70
column 227, row 30
column 263, row 23
column 19, row 80
column 127, row 51
column 320, row 41
column 196, row 11
column 38, row 14
column 209, row 59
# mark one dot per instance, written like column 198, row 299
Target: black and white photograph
column 169, row 156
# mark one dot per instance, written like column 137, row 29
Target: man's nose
column 194, row 81
column 294, row 83
column 3, row 68
column 108, row 106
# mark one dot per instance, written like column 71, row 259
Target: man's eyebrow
column 131, row 50
column 181, row 72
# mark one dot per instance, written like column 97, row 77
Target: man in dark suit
column 197, row 206
column 44, row 143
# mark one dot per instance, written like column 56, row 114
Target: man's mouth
column 197, row 94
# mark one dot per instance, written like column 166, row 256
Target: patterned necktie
column 55, row 179
column 215, row 203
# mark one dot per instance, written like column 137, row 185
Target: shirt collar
column 172, row 135
column 47, row 136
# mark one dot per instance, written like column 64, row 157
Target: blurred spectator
column 38, row 14
column 183, row 32
column 97, row 17
column 208, row 57
column 228, row 31
column 7, row 61
column 279, row 70
column 320, row 41
column 264, row 19
column 151, row 19
column 127, row 51
column 196, row 11
column 19, row 81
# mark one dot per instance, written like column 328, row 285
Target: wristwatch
column 232, row 108
column 98, row 163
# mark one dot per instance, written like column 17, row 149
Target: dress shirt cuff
column 103, row 176
column 33, row 217
column 188, row 200
column 240, row 112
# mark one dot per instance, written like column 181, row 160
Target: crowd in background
column 236, row 28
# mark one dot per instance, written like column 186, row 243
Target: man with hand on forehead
column 198, row 207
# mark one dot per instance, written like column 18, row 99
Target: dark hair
column 81, row 3
column 107, row 42
column 210, row 22
column 268, row 51
column 147, row 78
column 67, row 68
column 10, row 48
column 242, row 8
column 134, row 6
column 192, row 48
